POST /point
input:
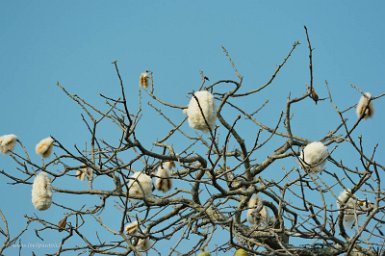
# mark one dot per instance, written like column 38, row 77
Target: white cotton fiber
column 44, row 147
column 140, row 185
column 349, row 206
column 257, row 213
column 143, row 80
column 131, row 228
column 194, row 113
column 313, row 156
column 364, row 108
column 42, row 192
column 143, row 244
column 163, row 182
column 7, row 143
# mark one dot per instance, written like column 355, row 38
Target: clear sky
column 74, row 42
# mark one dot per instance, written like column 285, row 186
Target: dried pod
column 314, row 95
column 62, row 224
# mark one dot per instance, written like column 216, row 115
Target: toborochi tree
column 220, row 181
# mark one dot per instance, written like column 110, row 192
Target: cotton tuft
column 257, row 213
column 143, row 80
column 364, row 108
column 163, row 182
column 42, row 192
column 143, row 244
column 194, row 113
column 313, row 156
column 7, row 143
column 131, row 228
column 44, row 147
column 140, row 185
column 352, row 207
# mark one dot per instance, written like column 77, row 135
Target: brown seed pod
column 62, row 224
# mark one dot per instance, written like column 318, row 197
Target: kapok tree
column 208, row 185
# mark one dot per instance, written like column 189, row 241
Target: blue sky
column 74, row 42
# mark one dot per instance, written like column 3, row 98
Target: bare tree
column 191, row 187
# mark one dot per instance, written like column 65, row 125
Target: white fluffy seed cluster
column 143, row 244
column 7, row 143
column 163, row 182
column 206, row 106
column 352, row 207
column 140, row 185
column 42, row 192
column 131, row 228
column 143, row 79
column 349, row 205
column 313, row 157
column 365, row 108
column 44, row 147
column 257, row 213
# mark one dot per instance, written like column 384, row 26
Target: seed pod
column 364, row 108
column 42, row 192
column 313, row 156
column 257, row 213
column 206, row 106
column 352, row 207
column 163, row 182
column 143, row 79
column 131, row 228
column 169, row 165
column 44, row 147
column 143, row 244
column 140, row 185
column 7, row 143
column 62, row 224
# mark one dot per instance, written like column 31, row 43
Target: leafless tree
column 222, row 198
